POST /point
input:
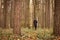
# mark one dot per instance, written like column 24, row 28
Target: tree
column 31, row 11
column 16, row 8
column 26, row 12
column 2, row 22
column 7, row 12
column 47, row 14
column 0, row 13
column 56, row 29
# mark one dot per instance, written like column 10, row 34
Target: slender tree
column 47, row 14
column 0, row 13
column 2, row 23
column 31, row 10
column 42, row 14
column 26, row 12
column 51, row 12
column 7, row 11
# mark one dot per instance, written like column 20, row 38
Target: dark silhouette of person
column 35, row 24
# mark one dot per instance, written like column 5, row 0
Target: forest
column 17, row 19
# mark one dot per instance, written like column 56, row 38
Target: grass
column 29, row 34
column 39, row 33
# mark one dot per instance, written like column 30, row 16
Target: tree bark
column 2, row 23
column 51, row 13
column 31, row 11
column 16, row 8
column 26, row 12
column 0, row 13
column 57, row 18
column 7, row 10
column 47, row 15
column 42, row 14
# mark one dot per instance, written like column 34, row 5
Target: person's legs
column 35, row 27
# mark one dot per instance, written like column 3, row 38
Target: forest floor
column 30, row 34
column 39, row 34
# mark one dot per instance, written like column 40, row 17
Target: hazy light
column 18, row 39
column 30, row 1
column 2, row 6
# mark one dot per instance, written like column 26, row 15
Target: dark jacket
column 35, row 22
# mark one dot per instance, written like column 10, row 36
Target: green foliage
column 26, row 33
column 39, row 33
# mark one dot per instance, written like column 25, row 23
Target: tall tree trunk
column 39, row 13
column 31, row 10
column 7, row 12
column 26, row 12
column 51, row 12
column 2, row 14
column 42, row 14
column 23, row 11
column 47, row 23
column 34, row 1
column 16, row 8
column 57, row 18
